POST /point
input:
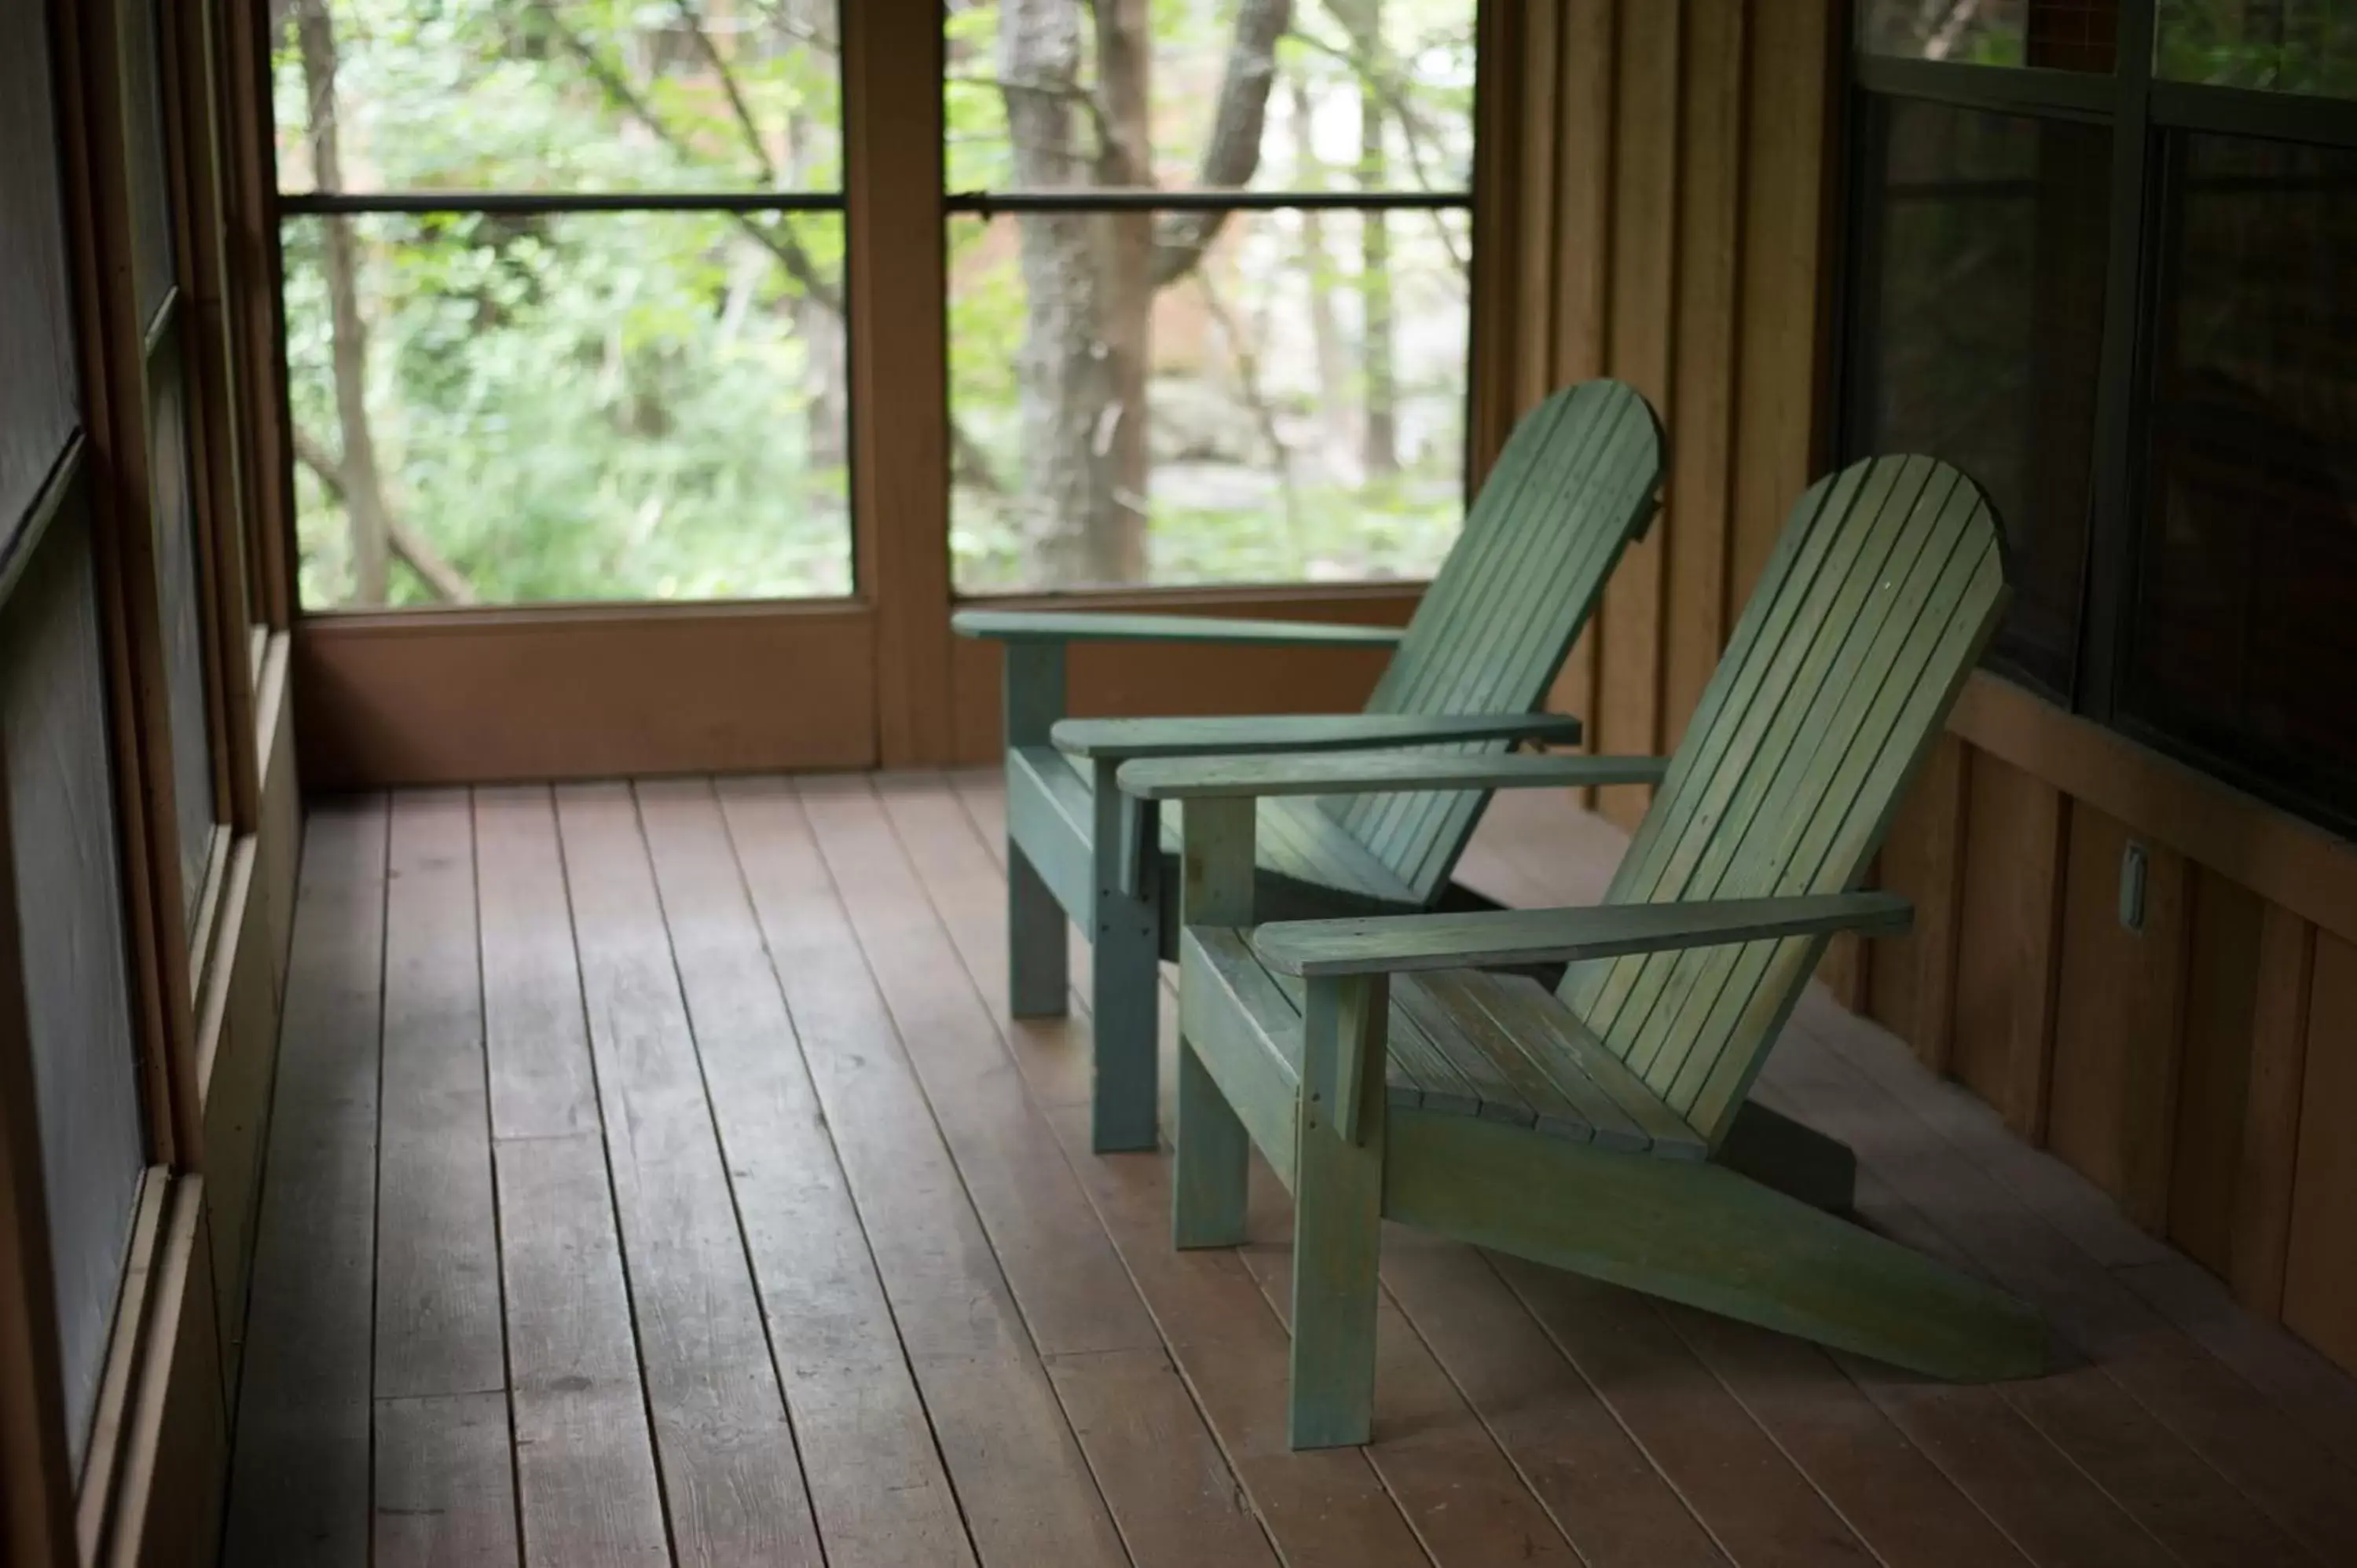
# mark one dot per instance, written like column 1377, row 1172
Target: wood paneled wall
column 1670, row 228
column 1675, row 179
column 2195, row 1059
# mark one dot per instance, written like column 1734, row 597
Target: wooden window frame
column 702, row 688
column 175, row 950
column 2142, row 111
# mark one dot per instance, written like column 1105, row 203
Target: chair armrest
column 1251, row 733
column 1374, row 773
column 1086, row 625
column 1398, row 944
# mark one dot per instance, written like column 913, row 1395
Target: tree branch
column 442, row 579
column 1232, row 156
column 737, row 104
column 1366, row 59
column 968, row 463
column 1247, row 363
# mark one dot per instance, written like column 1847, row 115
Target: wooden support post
column 2263, row 1185
column 1338, row 1196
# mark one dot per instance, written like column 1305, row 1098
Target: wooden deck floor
column 655, row 1177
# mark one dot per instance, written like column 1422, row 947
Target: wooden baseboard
column 491, row 696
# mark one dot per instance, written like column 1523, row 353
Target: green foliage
column 654, row 404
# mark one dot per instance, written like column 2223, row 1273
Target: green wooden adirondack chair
column 1604, row 1127
column 1575, row 482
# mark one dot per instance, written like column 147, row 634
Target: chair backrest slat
column 1887, row 583
column 1575, row 483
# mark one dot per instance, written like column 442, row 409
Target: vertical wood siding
column 1676, row 181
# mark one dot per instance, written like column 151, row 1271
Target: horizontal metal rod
column 323, row 202
column 1082, row 199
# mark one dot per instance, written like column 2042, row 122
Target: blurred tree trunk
column 819, row 327
column 1381, row 452
column 1090, row 279
column 1064, row 374
column 363, row 486
column 1318, row 276
column 1125, row 160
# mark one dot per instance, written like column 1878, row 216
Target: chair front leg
column 1125, row 974
column 1039, row 973
column 1038, row 978
column 1338, row 1196
column 1209, row 1188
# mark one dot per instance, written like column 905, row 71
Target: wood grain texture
column 2118, row 1028
column 1081, row 1309
column 2282, row 858
column 437, row 1304
column 1641, row 351
column 1911, row 988
column 1781, row 341
column 2184, row 1430
column 2268, row 1171
column 875, row 1481
column 1319, row 1508
column 899, row 321
column 1537, row 192
column 1450, row 1477
column 445, row 1483
column 732, row 1484
column 482, row 697
column 1022, row 1484
column 586, row 1493
column 2009, row 940
column 586, row 1484
column 1755, row 1504
column 1582, row 1464
column 2320, row 1265
column 2222, row 957
column 1712, row 145
column 299, row 1488
column 541, row 1084
column 1581, row 141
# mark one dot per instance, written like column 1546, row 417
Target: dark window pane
column 1210, row 94
column 179, row 588
column 68, row 892
column 2244, row 633
column 2052, row 35
column 558, row 96
column 37, row 394
column 2286, row 46
column 1977, row 320
column 150, row 194
column 507, row 409
column 1303, row 398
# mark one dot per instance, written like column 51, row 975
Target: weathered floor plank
column 585, row 1484
column 437, row 1269
column 1317, row 1507
column 876, row 1480
column 1027, row 1493
column 300, row 1484
column 732, row 1482
column 703, row 1125
column 445, row 1483
column 1160, row 1473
